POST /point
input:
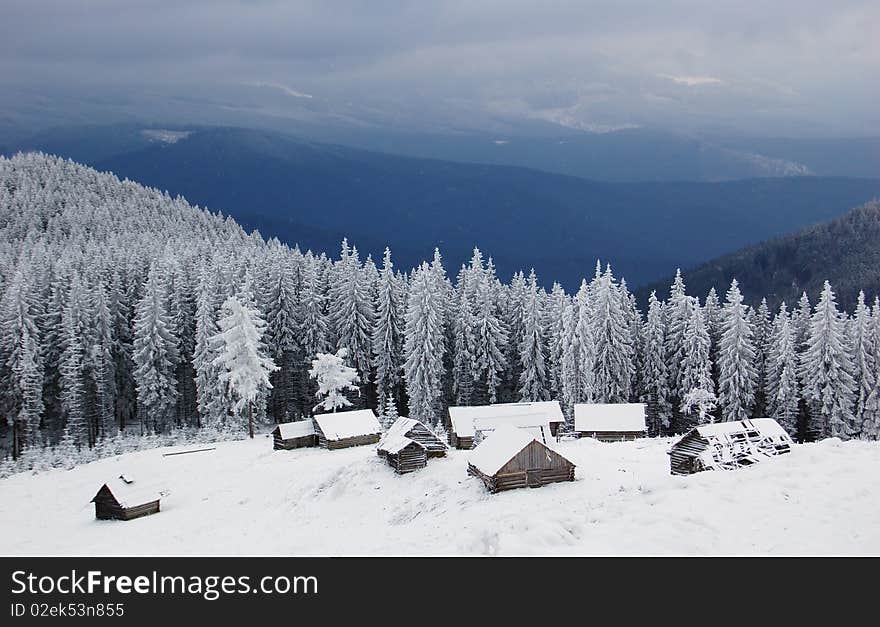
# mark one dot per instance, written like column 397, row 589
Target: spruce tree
column 533, row 371
column 387, row 337
column 614, row 354
column 424, row 347
column 654, row 375
column 155, row 356
column 242, row 356
column 738, row 376
column 871, row 411
column 826, row 372
column 863, row 358
column 781, row 385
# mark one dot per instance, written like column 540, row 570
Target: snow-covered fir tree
column 870, row 428
column 532, row 349
column 737, row 374
column 863, row 358
column 424, row 347
column 387, row 336
column 21, row 366
column 695, row 372
column 614, row 362
column 351, row 310
column 490, row 333
column 463, row 324
column 242, row 356
column 655, row 392
column 155, row 356
column 781, row 385
column 826, row 371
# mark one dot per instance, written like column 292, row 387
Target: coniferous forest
column 115, row 301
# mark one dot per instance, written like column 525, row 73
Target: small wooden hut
column 403, row 454
column 466, row 422
column 414, row 430
column 120, row 499
column 728, row 446
column 513, row 458
column 610, row 422
column 299, row 434
column 347, row 428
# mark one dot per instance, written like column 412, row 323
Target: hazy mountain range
column 315, row 193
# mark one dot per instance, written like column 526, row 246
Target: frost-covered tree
column 424, row 347
column 334, row 380
column 21, row 364
column 655, row 391
column 242, row 356
column 871, row 411
column 464, row 364
column 695, row 372
column 387, row 336
column 781, row 386
column 760, row 321
column 155, row 356
column 579, row 355
column 557, row 302
column 100, row 362
column 211, row 401
column 533, row 370
column 738, row 376
column 71, row 368
column 699, row 403
column 351, row 310
column 826, row 371
column 678, row 311
column 490, row 333
column 863, row 358
column 282, row 332
column 614, row 354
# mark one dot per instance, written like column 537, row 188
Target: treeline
column 111, row 295
column 843, row 251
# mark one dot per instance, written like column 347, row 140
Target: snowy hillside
column 245, row 498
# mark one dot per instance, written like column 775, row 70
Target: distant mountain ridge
column 844, row 251
column 314, row 194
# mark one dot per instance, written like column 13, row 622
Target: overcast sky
column 803, row 66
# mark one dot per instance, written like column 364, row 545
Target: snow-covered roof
column 466, row 421
column 400, row 427
column 128, row 493
column 498, row 448
column 297, row 429
column 550, row 409
column 765, row 426
column 348, row 424
column 396, row 443
column 596, row 417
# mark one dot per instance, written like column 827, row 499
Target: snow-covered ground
column 245, row 498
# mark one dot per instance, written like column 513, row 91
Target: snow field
column 246, row 499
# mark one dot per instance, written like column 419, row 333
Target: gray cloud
column 804, row 65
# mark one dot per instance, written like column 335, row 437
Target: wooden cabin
column 298, row 434
column 466, row 422
column 417, row 431
column 610, row 422
column 403, row 454
column 121, row 499
column 347, row 428
column 728, row 445
column 513, row 458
